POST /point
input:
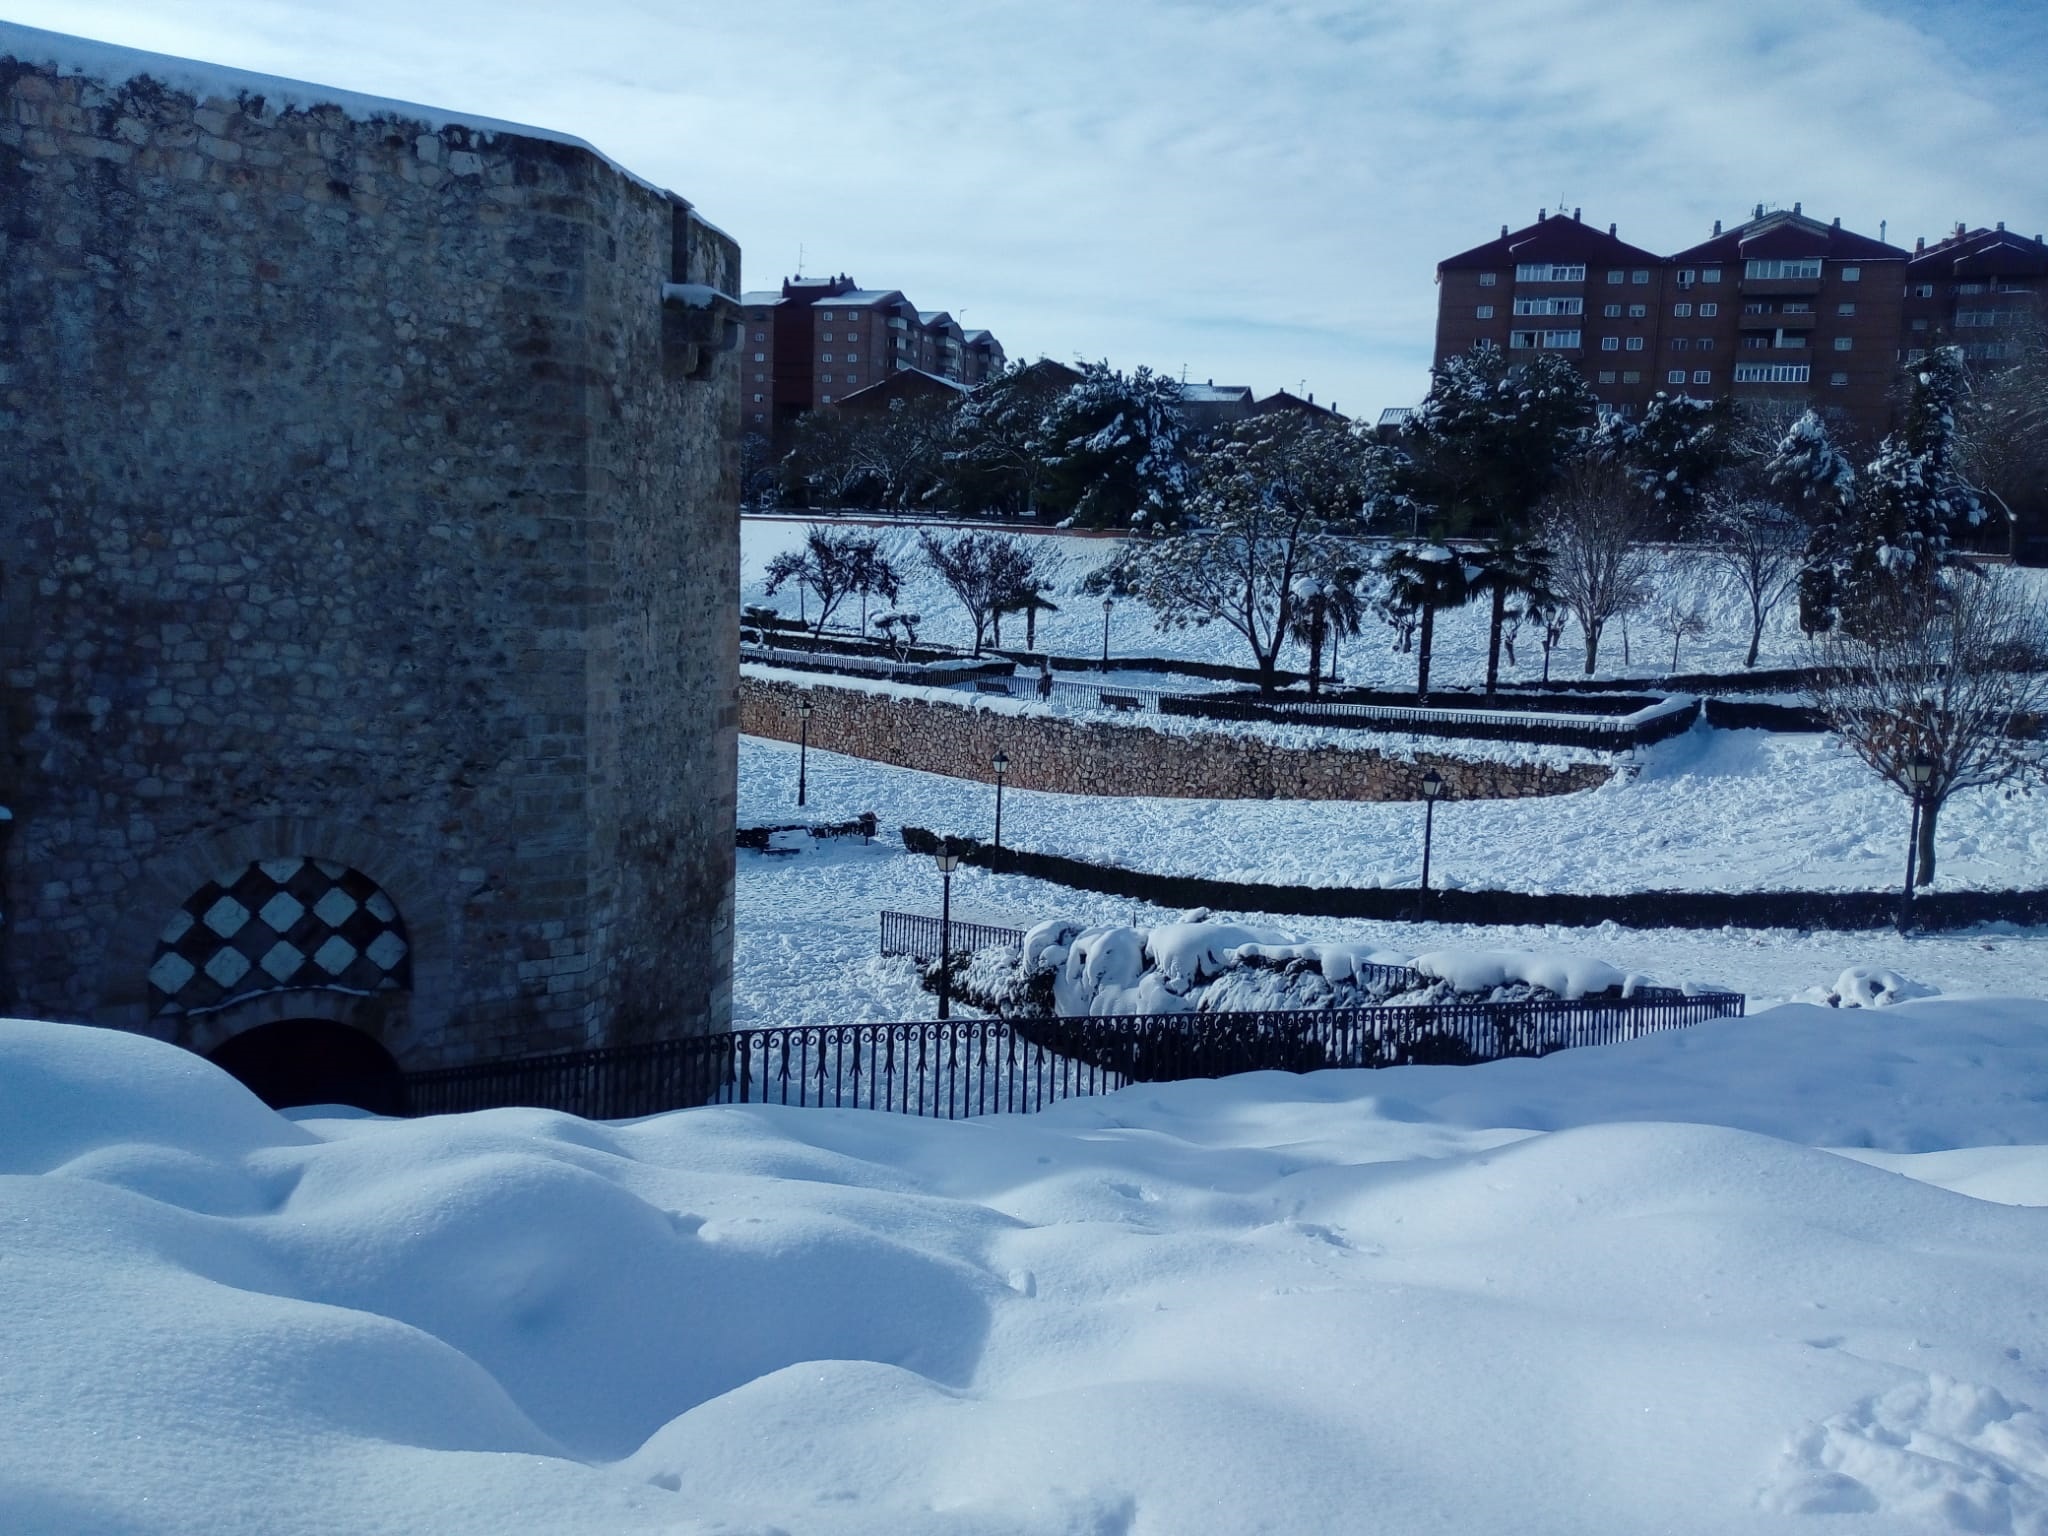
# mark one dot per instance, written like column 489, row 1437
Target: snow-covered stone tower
column 368, row 541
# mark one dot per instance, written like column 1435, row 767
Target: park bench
column 985, row 685
column 1123, row 701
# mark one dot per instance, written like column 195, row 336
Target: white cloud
column 1257, row 191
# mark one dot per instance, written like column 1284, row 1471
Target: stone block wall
column 364, row 501
column 1103, row 757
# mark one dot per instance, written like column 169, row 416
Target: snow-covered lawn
column 1370, row 660
column 1613, row 1290
column 1710, row 810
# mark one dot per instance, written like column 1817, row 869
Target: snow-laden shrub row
column 1070, row 969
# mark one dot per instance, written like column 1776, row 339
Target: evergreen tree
column 1116, row 450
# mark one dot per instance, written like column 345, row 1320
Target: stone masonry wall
column 362, row 501
column 1100, row 757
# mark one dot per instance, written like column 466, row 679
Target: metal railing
column 909, row 933
column 967, row 1067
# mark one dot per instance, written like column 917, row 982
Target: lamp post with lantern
column 1919, row 772
column 1432, row 788
column 1001, row 763
column 948, row 861
column 803, row 751
column 1107, row 604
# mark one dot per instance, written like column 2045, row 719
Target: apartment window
column 1795, row 307
column 1638, row 311
column 1984, row 319
column 825, row 399
column 760, row 335
column 1525, row 340
column 853, row 357
column 1756, row 307
column 1702, row 376
column 1630, row 376
column 1923, row 290
column 1570, row 306
column 1772, row 373
column 1680, row 343
column 1549, row 272
column 1765, row 270
column 1756, row 341
column 1675, row 376
column 1838, row 379
column 1485, row 311
column 828, row 357
column 1607, row 376
column 1488, row 279
column 1610, row 343
column 1845, row 309
column 1709, row 310
column 1919, row 325
column 1852, row 274
column 1969, row 287
column 825, row 314
column 1617, row 277
column 1710, row 274
column 1611, row 311
column 1681, row 311
column 757, row 399
column 1705, row 343
column 1844, row 343
column 1685, row 277
column 760, row 357
column 1635, row 343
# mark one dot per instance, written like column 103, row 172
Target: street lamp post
column 1918, row 772
column 1107, row 604
column 1001, row 763
column 803, row 751
column 947, row 862
column 1432, row 787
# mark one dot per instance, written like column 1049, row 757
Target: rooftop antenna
column 799, row 259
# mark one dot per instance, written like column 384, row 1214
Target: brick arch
column 421, row 891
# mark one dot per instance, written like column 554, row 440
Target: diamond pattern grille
column 279, row 923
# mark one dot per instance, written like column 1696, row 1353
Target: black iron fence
column 967, row 1067
column 908, row 933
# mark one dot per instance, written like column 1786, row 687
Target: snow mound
column 1479, row 971
column 1942, row 1454
column 1864, row 986
column 1251, row 1303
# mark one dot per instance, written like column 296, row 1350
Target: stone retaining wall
column 1101, row 757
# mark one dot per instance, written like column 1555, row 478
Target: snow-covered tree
column 996, row 460
column 835, row 564
column 1672, row 454
column 1328, row 605
column 1513, row 574
column 1276, row 498
column 1421, row 579
column 1116, row 450
column 1956, row 671
column 1756, row 545
column 1597, row 569
column 1896, row 530
column 1485, row 446
column 2002, row 427
column 1681, row 615
column 986, row 571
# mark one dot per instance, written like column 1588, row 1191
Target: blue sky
column 1255, row 191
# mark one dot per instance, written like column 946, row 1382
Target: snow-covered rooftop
column 856, row 298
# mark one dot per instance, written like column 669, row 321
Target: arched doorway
column 314, row 1061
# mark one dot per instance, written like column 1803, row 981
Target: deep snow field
column 1369, row 660
column 1612, row 1290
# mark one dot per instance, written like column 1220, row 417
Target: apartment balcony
column 1770, row 287
column 1797, row 320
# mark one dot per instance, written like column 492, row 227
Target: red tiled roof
column 1787, row 234
column 1559, row 239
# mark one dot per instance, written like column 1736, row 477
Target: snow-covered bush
column 1868, row 986
column 1201, row 965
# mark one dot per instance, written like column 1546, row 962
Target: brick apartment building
column 821, row 339
column 1781, row 308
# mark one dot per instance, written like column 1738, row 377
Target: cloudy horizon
column 1255, row 191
